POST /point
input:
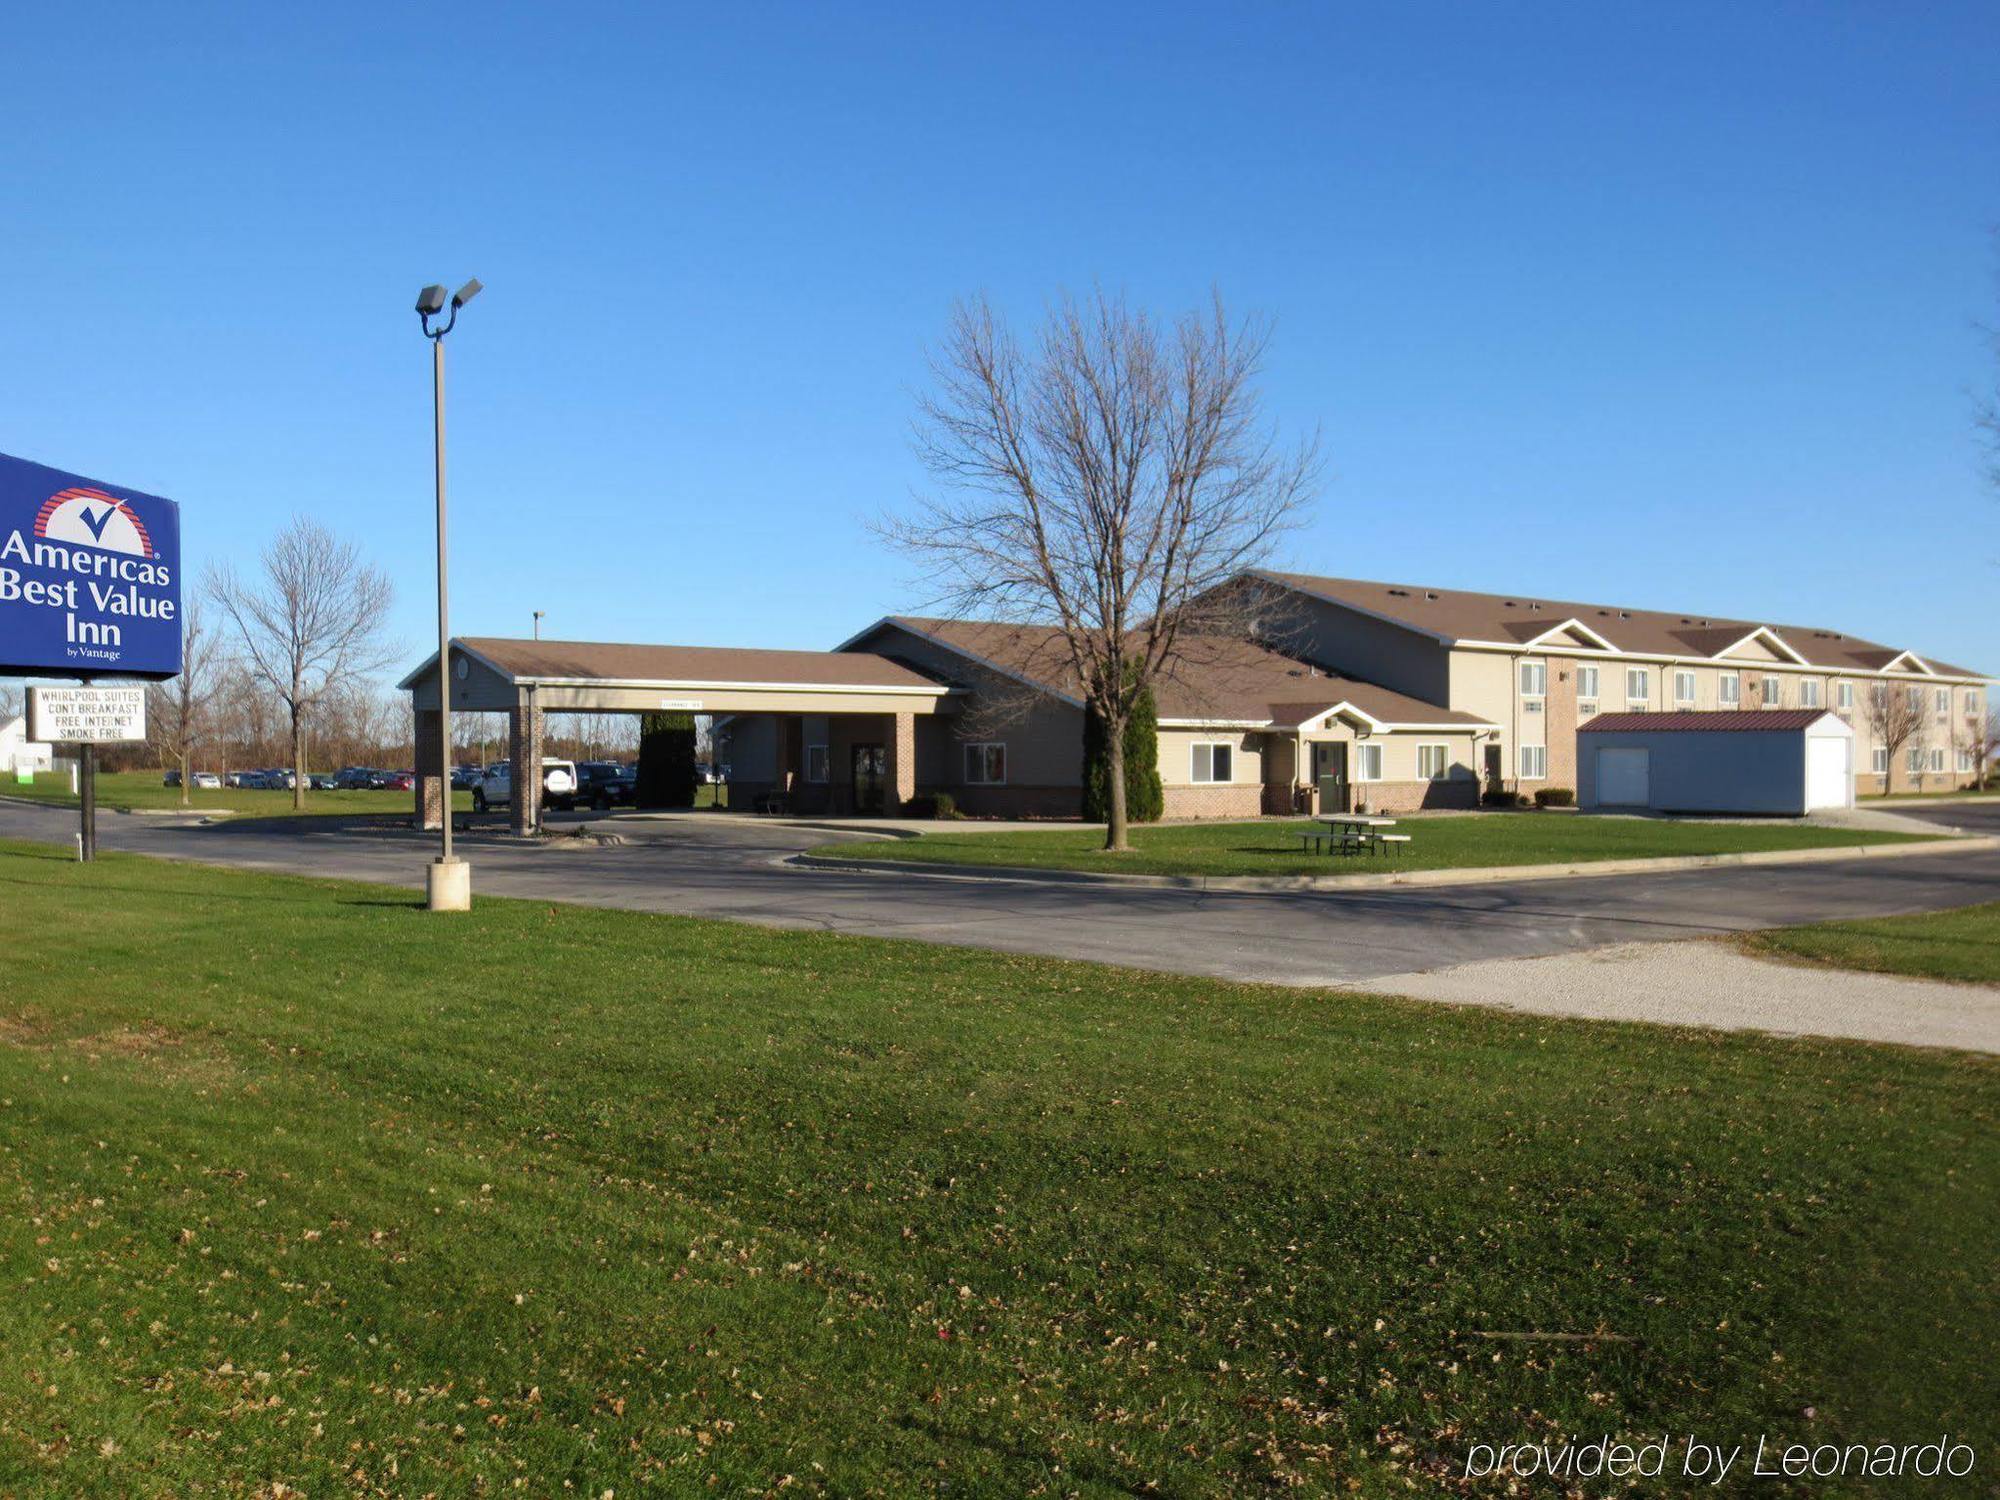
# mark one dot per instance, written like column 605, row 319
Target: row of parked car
column 600, row 784
column 282, row 779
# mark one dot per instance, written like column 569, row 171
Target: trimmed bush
column 1145, row 800
column 945, row 806
column 666, row 761
column 1555, row 796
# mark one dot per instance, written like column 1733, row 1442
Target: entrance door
column 1330, row 774
column 1492, row 771
column 1829, row 782
column 1624, row 777
column 871, row 769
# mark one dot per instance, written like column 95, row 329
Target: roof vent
column 1399, row 593
column 1511, row 604
column 1624, row 614
column 1430, row 593
column 1604, row 612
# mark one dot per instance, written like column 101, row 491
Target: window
column 1943, row 701
column 1879, row 761
column 816, row 763
column 1844, row 696
column 1213, row 762
column 1937, row 758
column 1965, row 760
column 1586, row 682
column 1972, row 705
column 1808, row 692
column 1534, row 678
column 1913, row 760
column 1638, row 684
column 1433, row 762
column 1774, row 690
column 1729, row 689
column 1683, row 687
column 986, row 764
column 1534, row 762
column 1916, row 695
column 1367, row 762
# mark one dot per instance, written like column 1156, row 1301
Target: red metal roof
column 1707, row 720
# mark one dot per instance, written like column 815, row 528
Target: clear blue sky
column 1667, row 306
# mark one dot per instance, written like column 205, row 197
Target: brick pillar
column 432, row 789
column 789, row 732
column 900, row 775
column 524, row 753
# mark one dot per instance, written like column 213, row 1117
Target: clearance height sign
column 90, row 577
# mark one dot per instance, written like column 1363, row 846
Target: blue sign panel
column 90, row 577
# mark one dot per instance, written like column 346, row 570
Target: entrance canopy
column 496, row 674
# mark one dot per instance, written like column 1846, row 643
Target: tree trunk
column 1115, row 840
column 298, row 759
column 187, row 798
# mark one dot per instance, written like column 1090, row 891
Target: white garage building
column 1777, row 761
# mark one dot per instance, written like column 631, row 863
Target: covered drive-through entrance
column 873, row 700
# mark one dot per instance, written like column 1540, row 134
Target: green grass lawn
column 1963, row 944
column 304, row 1186
column 1436, row 843
column 143, row 789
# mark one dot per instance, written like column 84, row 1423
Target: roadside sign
column 90, row 577
column 87, row 715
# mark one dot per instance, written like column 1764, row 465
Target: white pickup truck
column 495, row 787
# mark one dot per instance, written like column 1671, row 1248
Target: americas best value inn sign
column 90, row 577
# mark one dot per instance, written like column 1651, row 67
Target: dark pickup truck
column 604, row 785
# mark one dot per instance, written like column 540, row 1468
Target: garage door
column 1623, row 777
column 1828, row 783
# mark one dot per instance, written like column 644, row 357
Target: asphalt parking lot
column 735, row 869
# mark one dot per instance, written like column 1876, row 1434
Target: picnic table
column 1354, row 833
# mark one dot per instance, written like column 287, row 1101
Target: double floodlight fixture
column 431, row 302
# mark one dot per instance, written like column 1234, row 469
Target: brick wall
column 1412, row 796
column 1559, row 727
column 1236, row 800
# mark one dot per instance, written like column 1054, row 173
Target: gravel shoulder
column 1708, row 983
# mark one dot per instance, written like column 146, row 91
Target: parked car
column 399, row 781
column 353, row 779
column 604, row 784
column 172, row 778
column 207, row 781
column 464, row 778
column 496, row 787
column 320, row 781
column 235, row 778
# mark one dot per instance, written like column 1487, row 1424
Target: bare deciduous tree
column 1108, row 483
column 309, row 621
column 177, row 711
column 1894, row 714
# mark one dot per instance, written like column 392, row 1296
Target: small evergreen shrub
column 1145, row 799
column 666, row 761
column 1555, row 796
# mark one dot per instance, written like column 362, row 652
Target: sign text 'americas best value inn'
column 90, row 577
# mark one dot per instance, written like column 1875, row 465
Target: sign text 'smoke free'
column 87, row 715
column 90, row 577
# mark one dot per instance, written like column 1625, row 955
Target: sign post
column 90, row 588
column 87, row 717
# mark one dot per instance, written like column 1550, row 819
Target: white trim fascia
column 1360, row 609
column 430, row 661
column 1923, row 666
column 1767, row 634
column 702, row 684
column 943, row 645
column 1826, row 669
column 1572, row 623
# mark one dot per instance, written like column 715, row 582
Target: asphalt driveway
column 724, row 868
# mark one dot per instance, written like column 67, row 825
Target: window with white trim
column 1367, row 762
column 1683, row 687
column 1638, row 684
column 1729, row 689
column 1878, row 760
column 1534, row 679
column 1586, row 683
column 1433, row 762
column 1534, row 762
column 816, row 763
column 986, row 763
column 1937, row 759
column 1212, row 760
column 1844, row 696
column 1774, row 689
column 1964, row 759
column 1943, row 702
column 1972, row 705
column 1913, row 760
column 1916, row 697
column 1808, row 692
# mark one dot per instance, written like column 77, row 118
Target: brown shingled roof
column 1219, row 679
column 1459, row 615
column 1713, row 721
column 611, row 661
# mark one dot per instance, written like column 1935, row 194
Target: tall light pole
column 448, row 881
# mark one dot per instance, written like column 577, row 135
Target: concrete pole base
column 448, row 885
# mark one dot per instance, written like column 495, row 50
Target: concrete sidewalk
column 1716, row 984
